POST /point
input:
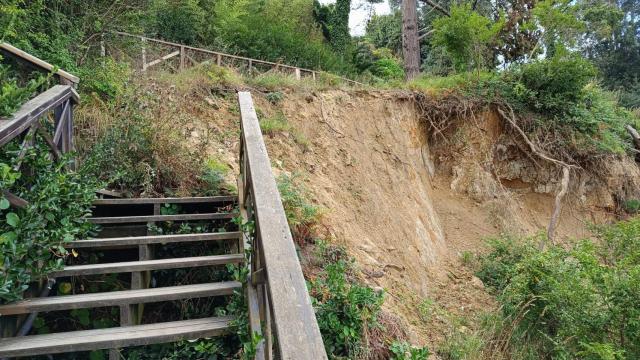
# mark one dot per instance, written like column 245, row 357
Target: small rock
column 477, row 282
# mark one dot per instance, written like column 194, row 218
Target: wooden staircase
column 281, row 318
column 129, row 219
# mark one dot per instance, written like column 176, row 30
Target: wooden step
column 156, row 239
column 114, row 337
column 116, row 298
column 145, row 265
column 152, row 218
column 180, row 200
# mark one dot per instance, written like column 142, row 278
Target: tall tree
column 410, row 42
column 339, row 25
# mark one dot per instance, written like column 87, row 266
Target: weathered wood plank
column 14, row 51
column 147, row 218
column 163, row 264
column 115, row 298
column 154, row 239
column 114, row 337
column 169, row 200
column 297, row 332
column 166, row 57
column 34, row 109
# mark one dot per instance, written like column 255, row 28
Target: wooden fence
column 279, row 304
column 190, row 56
column 52, row 109
column 23, row 57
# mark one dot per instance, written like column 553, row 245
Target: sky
column 360, row 12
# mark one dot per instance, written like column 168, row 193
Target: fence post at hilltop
column 298, row 76
column 103, row 50
column 182, row 56
column 144, row 54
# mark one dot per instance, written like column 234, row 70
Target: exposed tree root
column 557, row 207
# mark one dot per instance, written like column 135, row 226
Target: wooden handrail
column 251, row 61
column 285, row 304
column 35, row 108
column 67, row 78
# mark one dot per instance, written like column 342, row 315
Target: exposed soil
column 407, row 206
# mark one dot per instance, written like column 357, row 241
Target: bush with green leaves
column 179, row 20
column 580, row 302
column 379, row 62
column 466, row 36
column 213, row 176
column 405, row 351
column 302, row 215
column 14, row 93
column 554, row 85
column 31, row 239
column 105, row 78
column 344, row 307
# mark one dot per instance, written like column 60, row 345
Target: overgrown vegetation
column 578, row 302
column 32, row 239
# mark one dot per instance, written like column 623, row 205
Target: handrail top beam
column 34, row 108
column 297, row 330
column 24, row 56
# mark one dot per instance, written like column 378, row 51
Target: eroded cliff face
column 407, row 206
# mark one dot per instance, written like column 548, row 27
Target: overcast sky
column 360, row 12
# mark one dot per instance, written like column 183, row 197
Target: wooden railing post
column 219, row 60
column 144, row 54
column 182, row 57
column 298, row 75
column 103, row 49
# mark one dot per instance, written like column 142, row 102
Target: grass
column 278, row 123
column 275, row 124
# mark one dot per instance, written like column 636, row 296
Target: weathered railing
column 279, row 304
column 48, row 115
column 23, row 57
column 186, row 56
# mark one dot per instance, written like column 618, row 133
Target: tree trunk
column 410, row 43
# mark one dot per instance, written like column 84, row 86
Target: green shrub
column 466, row 36
column 12, row 93
column 302, row 215
column 275, row 124
column 554, row 85
column 214, row 177
column 632, row 206
column 274, row 97
column 106, row 79
column 31, row 239
column 179, row 20
column 579, row 302
column 404, row 351
column 343, row 309
column 387, row 69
